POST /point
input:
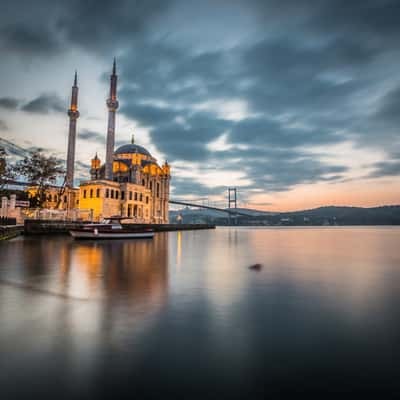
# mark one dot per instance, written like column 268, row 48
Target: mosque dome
column 131, row 149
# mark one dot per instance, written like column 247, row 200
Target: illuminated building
column 130, row 183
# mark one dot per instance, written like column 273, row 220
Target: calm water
column 183, row 315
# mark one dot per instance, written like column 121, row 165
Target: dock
column 45, row 227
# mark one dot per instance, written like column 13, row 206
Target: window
column 151, row 185
column 91, row 193
column 84, row 193
column 135, row 195
column 122, row 195
column 116, row 194
column 97, row 192
column 135, row 210
column 65, row 199
column 130, row 195
column 129, row 210
column 141, row 197
column 147, row 199
column 107, row 193
column 158, row 189
column 112, row 193
column 143, row 182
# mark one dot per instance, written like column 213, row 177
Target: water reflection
column 183, row 311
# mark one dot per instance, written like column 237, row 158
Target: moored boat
column 111, row 228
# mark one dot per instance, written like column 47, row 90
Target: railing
column 58, row 215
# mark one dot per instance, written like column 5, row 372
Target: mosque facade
column 130, row 183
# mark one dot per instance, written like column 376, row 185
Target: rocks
column 256, row 267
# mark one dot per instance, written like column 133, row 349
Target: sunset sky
column 296, row 103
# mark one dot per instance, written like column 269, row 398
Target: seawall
column 45, row 227
column 10, row 231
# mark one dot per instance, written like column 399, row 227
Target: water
column 183, row 316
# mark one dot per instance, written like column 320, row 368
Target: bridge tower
column 232, row 197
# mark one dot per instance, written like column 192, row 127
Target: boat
column 111, row 228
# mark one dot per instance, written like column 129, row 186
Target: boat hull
column 81, row 234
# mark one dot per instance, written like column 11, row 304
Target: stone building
column 130, row 183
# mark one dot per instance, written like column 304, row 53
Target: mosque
column 129, row 184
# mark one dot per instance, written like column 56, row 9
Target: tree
column 6, row 170
column 41, row 172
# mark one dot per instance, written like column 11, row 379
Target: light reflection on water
column 184, row 311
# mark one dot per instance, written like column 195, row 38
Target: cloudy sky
column 296, row 103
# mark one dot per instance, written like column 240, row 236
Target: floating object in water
column 256, row 267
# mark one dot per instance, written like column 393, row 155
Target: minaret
column 73, row 114
column 112, row 104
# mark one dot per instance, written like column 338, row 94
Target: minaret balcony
column 112, row 104
column 73, row 113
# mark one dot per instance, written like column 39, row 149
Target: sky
column 296, row 103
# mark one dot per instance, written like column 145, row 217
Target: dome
column 132, row 148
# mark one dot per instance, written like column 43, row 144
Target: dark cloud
column 9, row 103
column 315, row 73
column 389, row 111
column 29, row 40
column 48, row 27
column 279, row 174
column 3, row 125
column 270, row 133
column 92, row 136
column 386, row 168
column 181, row 187
column 44, row 104
column 147, row 114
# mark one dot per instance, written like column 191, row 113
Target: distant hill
column 384, row 215
column 330, row 215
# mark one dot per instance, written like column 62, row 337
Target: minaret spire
column 112, row 104
column 73, row 114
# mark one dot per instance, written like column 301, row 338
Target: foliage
column 41, row 172
column 6, row 170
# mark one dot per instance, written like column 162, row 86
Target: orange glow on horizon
column 363, row 193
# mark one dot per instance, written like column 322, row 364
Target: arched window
column 91, row 193
column 97, row 192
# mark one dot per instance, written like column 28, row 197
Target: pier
column 45, row 227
